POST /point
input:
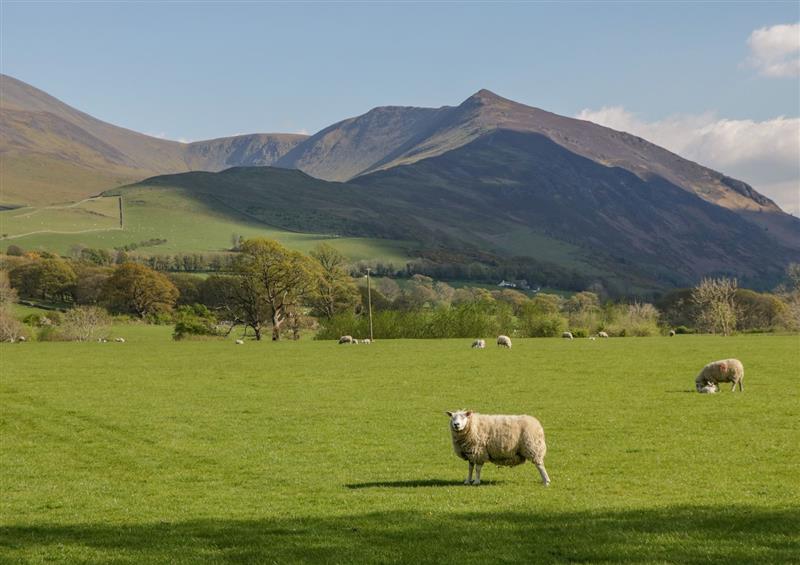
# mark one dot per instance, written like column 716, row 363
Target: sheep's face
column 459, row 420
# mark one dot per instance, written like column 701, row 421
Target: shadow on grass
column 686, row 534
column 415, row 484
column 690, row 390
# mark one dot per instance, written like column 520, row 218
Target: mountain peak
column 485, row 96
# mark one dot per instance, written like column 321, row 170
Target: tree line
column 271, row 290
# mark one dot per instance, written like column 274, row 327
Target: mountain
column 425, row 133
column 489, row 181
column 507, row 197
column 52, row 152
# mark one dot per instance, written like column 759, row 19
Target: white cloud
column 775, row 50
column 764, row 154
column 301, row 131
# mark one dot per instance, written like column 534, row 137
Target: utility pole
column 369, row 305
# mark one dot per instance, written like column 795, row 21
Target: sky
column 717, row 82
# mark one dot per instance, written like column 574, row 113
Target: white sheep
column 479, row 344
column 346, row 339
column 239, row 342
column 602, row 334
column 723, row 371
column 366, row 341
column 22, row 338
column 503, row 440
column 119, row 339
column 567, row 335
column 504, row 341
column 671, row 333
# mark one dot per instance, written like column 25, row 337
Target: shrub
column 51, row 333
column 683, row 330
column 86, row 323
column 194, row 321
column 580, row 332
column 11, row 329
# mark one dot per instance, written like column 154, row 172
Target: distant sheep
column 119, row 339
column 366, row 341
column 239, row 342
column 22, row 338
column 567, row 335
column 504, row 341
column 346, row 339
column 602, row 334
column 479, row 344
column 503, row 440
column 671, row 333
column 724, row 371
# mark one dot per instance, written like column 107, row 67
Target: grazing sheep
column 119, row 339
column 239, row 342
column 671, row 333
column 602, row 334
column 724, row 371
column 567, row 335
column 592, row 338
column 503, row 440
column 346, row 339
column 22, row 338
column 479, row 344
column 504, row 341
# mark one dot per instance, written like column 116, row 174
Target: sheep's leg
column 469, row 477
column 741, row 385
column 478, row 468
column 543, row 473
column 733, row 388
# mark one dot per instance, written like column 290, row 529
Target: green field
column 188, row 226
column 155, row 451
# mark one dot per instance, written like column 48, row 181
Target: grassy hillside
column 188, row 225
column 300, row 452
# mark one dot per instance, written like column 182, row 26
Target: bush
column 683, row 330
column 193, row 321
column 40, row 320
column 11, row 329
column 86, row 323
column 51, row 333
column 580, row 332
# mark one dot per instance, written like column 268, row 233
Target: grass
column 154, row 451
column 168, row 215
column 95, row 214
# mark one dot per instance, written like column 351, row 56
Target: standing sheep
column 602, row 334
column 724, row 371
column 239, row 342
column 671, row 333
column 503, row 440
column 567, row 335
column 346, row 339
column 504, row 341
column 479, row 344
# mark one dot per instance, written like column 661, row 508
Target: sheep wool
column 567, row 335
column 346, row 339
column 502, row 440
column 504, row 341
column 723, row 371
column 479, row 344
column 602, row 334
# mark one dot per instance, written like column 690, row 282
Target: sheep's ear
column 468, row 413
column 449, row 414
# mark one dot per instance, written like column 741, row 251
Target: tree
column 272, row 280
column 15, row 251
column 8, row 295
column 333, row 290
column 85, row 323
column 716, row 305
column 388, row 287
column 137, row 289
column 49, row 279
column 91, row 284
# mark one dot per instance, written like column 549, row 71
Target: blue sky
column 195, row 71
